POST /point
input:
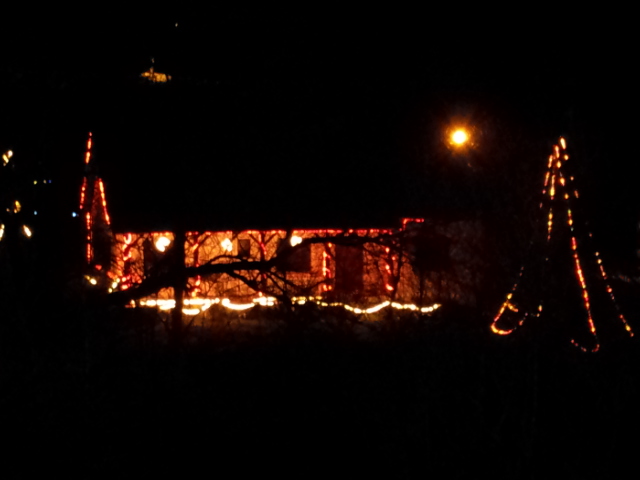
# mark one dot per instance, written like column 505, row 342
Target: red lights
column 83, row 192
column 87, row 155
column 554, row 181
column 103, row 201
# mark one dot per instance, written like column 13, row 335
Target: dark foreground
column 445, row 400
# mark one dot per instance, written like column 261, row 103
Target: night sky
column 302, row 116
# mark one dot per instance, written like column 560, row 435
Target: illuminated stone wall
column 317, row 269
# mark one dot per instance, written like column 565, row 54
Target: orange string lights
column 557, row 183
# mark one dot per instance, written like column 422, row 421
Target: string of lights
column 92, row 193
column 194, row 306
column 558, row 191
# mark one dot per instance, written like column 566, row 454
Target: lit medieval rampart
column 355, row 266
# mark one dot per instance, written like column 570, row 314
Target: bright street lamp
column 459, row 137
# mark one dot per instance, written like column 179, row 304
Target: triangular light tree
column 563, row 262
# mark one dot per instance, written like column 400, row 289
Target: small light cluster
column 555, row 182
column 156, row 77
column 6, row 157
column 16, row 207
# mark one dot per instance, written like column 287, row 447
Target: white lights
column 162, row 243
column 6, row 157
column 227, row 245
column 295, row 240
column 193, row 306
column 236, row 306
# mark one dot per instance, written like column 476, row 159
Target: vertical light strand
column 326, row 268
column 87, row 155
column 125, row 281
column 103, row 201
column 388, row 272
column 585, row 296
column 83, row 192
column 599, row 262
column 88, row 225
column 507, row 304
column 576, row 259
column 622, row 318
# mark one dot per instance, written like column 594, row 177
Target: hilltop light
column 459, row 137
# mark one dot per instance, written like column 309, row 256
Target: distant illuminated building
column 365, row 269
column 155, row 77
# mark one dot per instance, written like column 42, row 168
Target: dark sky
column 342, row 110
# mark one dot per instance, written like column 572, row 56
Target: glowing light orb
column 162, row 243
column 227, row 245
column 295, row 240
column 459, row 137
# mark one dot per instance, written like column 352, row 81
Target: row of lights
column 226, row 244
column 195, row 306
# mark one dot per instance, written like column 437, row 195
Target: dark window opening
column 294, row 259
column 244, row 248
column 349, row 268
